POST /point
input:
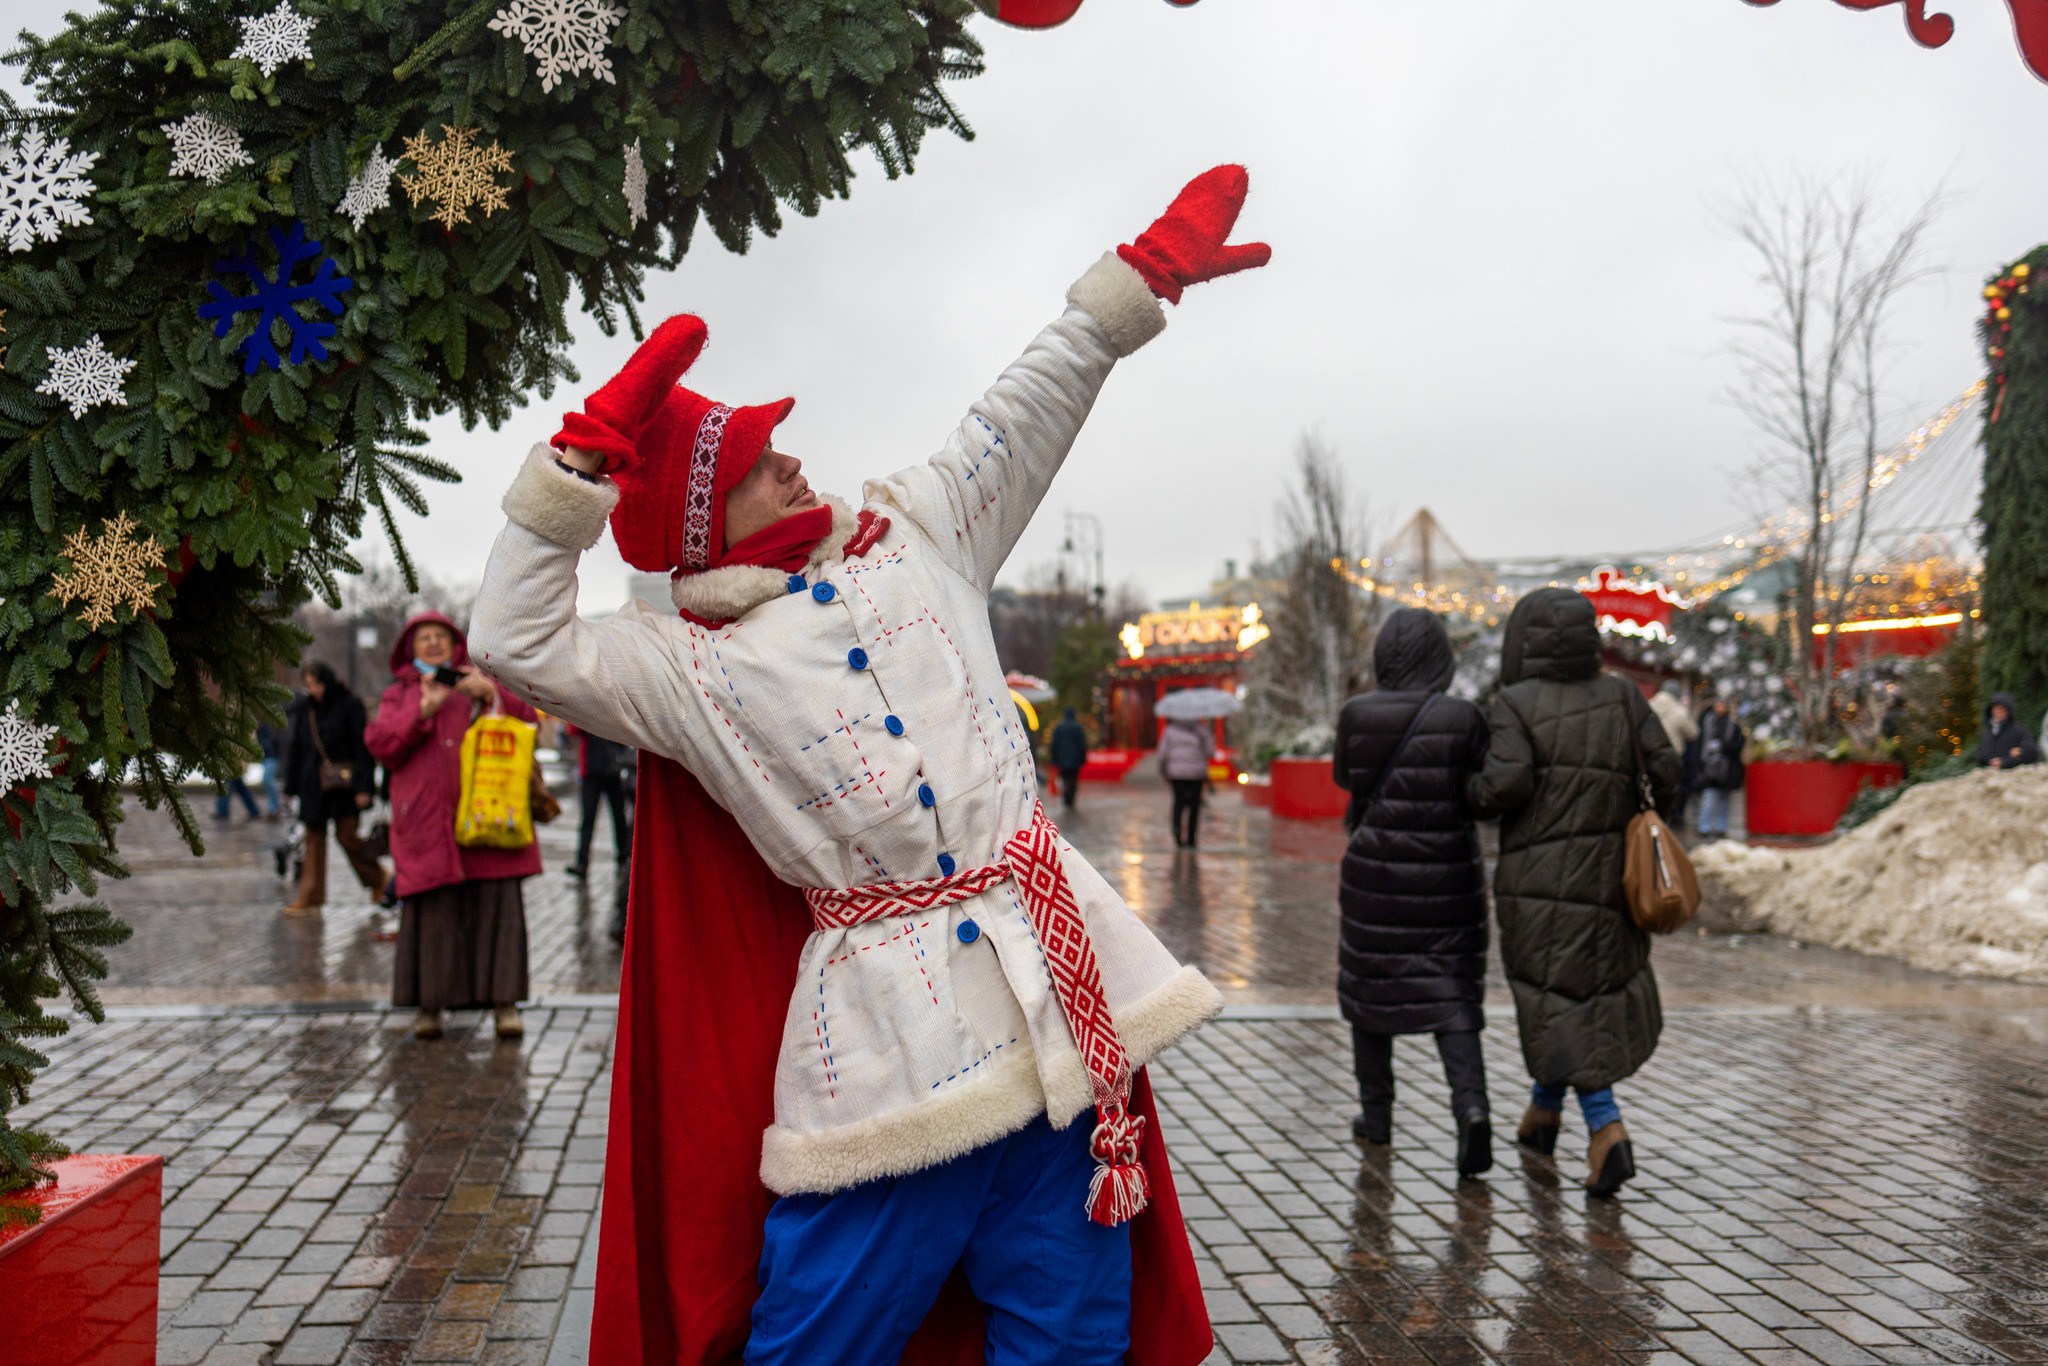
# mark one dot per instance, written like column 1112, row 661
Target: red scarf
column 787, row 545
column 784, row 545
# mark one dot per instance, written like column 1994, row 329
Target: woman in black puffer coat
column 1412, row 957
column 1561, row 774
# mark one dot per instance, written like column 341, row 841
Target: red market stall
column 1163, row 652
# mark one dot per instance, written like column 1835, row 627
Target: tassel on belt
column 1031, row 859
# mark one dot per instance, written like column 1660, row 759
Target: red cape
column 712, row 939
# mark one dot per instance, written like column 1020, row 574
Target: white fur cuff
column 1118, row 298
column 555, row 505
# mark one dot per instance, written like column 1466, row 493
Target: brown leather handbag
column 333, row 777
column 1656, row 873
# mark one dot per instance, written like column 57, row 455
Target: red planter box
column 1807, row 797
column 1305, row 790
column 81, row 1284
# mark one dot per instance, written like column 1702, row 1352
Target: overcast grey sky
column 1497, row 286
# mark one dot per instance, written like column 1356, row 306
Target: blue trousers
column 1714, row 811
column 847, row 1278
column 1599, row 1107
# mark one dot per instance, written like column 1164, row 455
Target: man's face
column 1999, row 715
column 774, row 489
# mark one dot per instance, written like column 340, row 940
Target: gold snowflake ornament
column 108, row 570
column 456, row 174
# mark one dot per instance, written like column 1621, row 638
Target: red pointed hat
column 671, row 510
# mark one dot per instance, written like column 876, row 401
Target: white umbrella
column 1197, row 704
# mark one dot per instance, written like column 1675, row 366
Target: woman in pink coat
column 462, row 934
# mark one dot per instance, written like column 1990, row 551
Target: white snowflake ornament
column 24, row 748
column 370, row 190
column 270, row 40
column 636, row 184
column 205, row 148
column 41, row 183
column 564, row 36
column 85, row 376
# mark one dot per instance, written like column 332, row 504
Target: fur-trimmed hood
column 733, row 590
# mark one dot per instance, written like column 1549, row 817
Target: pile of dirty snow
column 1952, row 876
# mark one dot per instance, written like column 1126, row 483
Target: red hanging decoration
column 2029, row 22
column 1048, row 13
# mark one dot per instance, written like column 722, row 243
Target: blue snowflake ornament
column 275, row 297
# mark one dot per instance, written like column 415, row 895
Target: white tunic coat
column 858, row 727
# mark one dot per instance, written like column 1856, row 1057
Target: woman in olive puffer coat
column 1561, row 775
column 1411, row 957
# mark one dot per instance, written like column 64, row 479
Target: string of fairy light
column 1706, row 571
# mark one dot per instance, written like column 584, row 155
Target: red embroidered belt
column 1031, row 859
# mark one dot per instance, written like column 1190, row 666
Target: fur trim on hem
column 733, row 590
column 1148, row 1027
column 997, row 1104
column 555, row 505
column 1118, row 298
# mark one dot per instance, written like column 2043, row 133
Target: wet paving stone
column 1843, row 1161
column 325, row 1254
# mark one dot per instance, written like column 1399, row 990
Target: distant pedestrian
column 602, row 770
column 1068, row 752
column 332, row 774
column 1411, row 955
column 2004, row 742
column 234, row 787
column 462, row 918
column 1718, row 767
column 271, row 741
column 1185, row 748
column 1675, row 716
column 1561, row 774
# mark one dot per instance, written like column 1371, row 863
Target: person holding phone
column 462, row 923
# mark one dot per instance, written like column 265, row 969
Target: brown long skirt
column 462, row 947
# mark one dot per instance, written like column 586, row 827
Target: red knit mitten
column 1185, row 247
column 612, row 418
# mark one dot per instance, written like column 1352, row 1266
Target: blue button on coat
column 797, row 583
column 946, row 864
column 925, row 794
column 857, row 657
column 968, row 931
column 824, row 592
column 893, row 724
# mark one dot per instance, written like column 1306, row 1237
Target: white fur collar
column 733, row 590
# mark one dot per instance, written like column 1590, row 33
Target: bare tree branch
column 1832, row 268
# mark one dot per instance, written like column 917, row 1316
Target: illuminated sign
column 1632, row 607
column 1197, row 630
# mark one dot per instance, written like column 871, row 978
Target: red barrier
column 1304, row 790
column 82, row 1283
column 1807, row 797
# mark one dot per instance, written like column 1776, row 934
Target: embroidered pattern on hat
column 697, row 497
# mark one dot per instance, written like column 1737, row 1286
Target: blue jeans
column 1713, row 811
column 847, row 1278
column 1599, row 1107
column 270, row 769
column 235, row 788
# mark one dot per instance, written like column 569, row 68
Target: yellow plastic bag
column 497, row 777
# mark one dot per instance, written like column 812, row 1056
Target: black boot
column 1475, row 1143
column 1374, row 1129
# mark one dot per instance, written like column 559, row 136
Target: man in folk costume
column 851, row 1059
